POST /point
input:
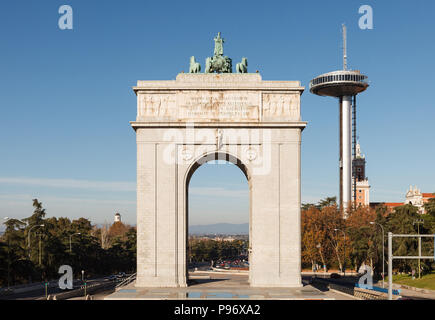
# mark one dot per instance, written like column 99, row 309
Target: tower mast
column 344, row 47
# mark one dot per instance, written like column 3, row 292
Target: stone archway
column 179, row 123
column 220, row 156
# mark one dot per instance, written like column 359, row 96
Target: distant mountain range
column 220, row 228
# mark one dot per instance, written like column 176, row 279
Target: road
column 39, row 294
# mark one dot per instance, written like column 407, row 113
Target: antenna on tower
column 344, row 47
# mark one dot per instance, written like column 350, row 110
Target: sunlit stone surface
column 237, row 117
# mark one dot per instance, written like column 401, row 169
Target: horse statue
column 195, row 67
column 242, row 67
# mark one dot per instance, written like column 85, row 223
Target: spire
column 358, row 150
column 358, row 154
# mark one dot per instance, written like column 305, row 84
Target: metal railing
column 391, row 257
column 339, row 79
column 126, row 281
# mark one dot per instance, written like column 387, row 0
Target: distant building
column 389, row 205
column 418, row 199
column 414, row 197
column 117, row 217
column 227, row 239
column 362, row 182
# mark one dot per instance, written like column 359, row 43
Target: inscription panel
column 218, row 106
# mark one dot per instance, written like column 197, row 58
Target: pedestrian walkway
column 222, row 286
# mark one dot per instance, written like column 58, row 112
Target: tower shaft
column 346, row 151
column 354, row 142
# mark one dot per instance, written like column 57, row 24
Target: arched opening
column 218, row 214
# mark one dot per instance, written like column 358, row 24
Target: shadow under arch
column 198, row 162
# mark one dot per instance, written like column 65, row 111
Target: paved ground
column 417, row 294
column 97, row 296
column 214, row 286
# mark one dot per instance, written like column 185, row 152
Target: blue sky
column 66, row 97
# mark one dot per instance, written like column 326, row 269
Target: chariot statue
column 218, row 63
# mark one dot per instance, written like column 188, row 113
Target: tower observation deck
column 339, row 84
column 344, row 85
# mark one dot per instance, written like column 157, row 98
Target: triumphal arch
column 199, row 117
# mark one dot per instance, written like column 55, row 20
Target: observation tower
column 345, row 85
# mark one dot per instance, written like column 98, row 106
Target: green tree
column 50, row 248
column 20, row 268
column 327, row 202
column 401, row 221
column 430, row 207
column 429, row 218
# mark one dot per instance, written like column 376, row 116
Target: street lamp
column 28, row 236
column 70, row 247
column 344, row 253
column 383, row 252
column 418, row 222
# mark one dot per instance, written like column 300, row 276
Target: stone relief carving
column 187, row 154
column 280, row 106
column 157, row 105
column 219, row 138
column 251, row 154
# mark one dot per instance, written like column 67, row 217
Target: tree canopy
column 323, row 241
column 61, row 241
